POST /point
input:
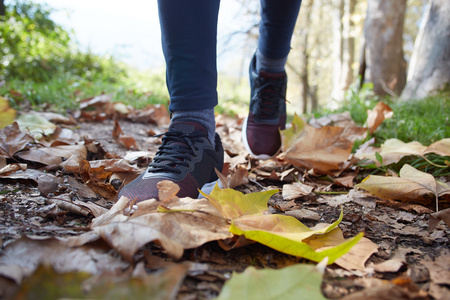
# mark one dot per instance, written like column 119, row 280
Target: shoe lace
column 270, row 94
column 177, row 149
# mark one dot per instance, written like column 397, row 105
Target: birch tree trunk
column 383, row 33
column 429, row 69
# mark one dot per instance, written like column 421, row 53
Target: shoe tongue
column 267, row 75
column 186, row 127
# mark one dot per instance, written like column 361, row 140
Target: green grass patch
column 63, row 92
column 425, row 120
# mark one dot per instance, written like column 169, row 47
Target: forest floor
column 409, row 261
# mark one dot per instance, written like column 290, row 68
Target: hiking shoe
column 267, row 115
column 185, row 157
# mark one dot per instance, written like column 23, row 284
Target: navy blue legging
column 189, row 42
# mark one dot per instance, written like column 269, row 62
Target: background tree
column 300, row 65
column 429, row 68
column 2, row 8
column 345, row 38
column 383, row 33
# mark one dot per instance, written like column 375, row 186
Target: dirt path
column 410, row 262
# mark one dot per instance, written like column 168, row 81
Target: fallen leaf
column 295, row 190
column 191, row 223
column 392, row 265
column 435, row 218
column 53, row 155
column 98, row 108
column 57, row 118
column 12, row 168
column 393, row 150
column 377, row 115
column 354, row 259
column 21, row 257
column 301, row 214
column 7, row 114
column 323, row 150
column 126, row 141
column 439, row 268
column 36, row 125
column 412, row 185
column 343, row 119
column 386, row 291
column 155, row 114
column 46, row 283
column 249, row 217
column 13, row 140
column 299, row 281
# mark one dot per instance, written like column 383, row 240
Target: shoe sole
column 247, row 146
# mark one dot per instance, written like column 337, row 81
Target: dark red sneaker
column 185, row 157
column 267, row 115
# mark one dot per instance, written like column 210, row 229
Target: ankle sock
column 268, row 64
column 205, row 117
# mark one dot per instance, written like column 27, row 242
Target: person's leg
column 268, row 80
column 189, row 41
column 190, row 150
column 278, row 18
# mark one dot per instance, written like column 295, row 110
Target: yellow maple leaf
column 249, row 217
column 7, row 114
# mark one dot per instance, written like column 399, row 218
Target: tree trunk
column 429, row 70
column 343, row 77
column 305, row 58
column 349, row 45
column 2, row 8
column 383, row 33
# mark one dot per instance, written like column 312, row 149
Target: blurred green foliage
column 33, row 47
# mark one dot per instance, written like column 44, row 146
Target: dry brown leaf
column 28, row 174
column 238, row 178
column 346, row 181
column 323, row 149
column 154, row 114
column 98, row 108
column 180, row 229
column 12, row 168
column 81, row 190
column 12, row 140
column 439, row 268
column 393, row 150
column 65, row 202
column 53, row 155
column 377, row 115
column 57, row 118
column 435, row 218
column 441, row 147
column 390, row 266
column 303, row 214
column 127, row 141
column 412, row 185
column 343, row 119
column 114, row 165
column 167, row 191
column 295, row 190
column 387, row 291
column 353, row 259
column 21, row 257
column 95, row 209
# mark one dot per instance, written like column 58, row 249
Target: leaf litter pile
column 312, row 223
